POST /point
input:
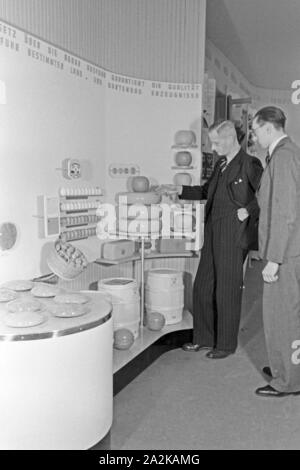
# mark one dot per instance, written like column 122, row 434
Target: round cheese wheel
column 71, row 299
column 24, row 320
column 24, row 305
column 19, row 285
column 7, row 295
column 45, row 290
column 68, row 310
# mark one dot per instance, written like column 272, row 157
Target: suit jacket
column 243, row 179
column 279, row 201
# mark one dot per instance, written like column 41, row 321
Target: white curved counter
column 56, row 379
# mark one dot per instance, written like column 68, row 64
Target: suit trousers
column 218, row 285
column 281, row 317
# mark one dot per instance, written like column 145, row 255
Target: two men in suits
column 279, row 246
column 231, row 218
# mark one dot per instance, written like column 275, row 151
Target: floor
column 186, row 401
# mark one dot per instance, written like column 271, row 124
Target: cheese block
column 172, row 245
column 118, row 249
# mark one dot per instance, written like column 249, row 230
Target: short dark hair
column 271, row 114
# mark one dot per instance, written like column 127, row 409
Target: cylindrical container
column 183, row 220
column 124, row 295
column 164, row 293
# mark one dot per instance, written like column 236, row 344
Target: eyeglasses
column 258, row 127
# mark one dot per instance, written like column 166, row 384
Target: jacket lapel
column 280, row 144
column 235, row 167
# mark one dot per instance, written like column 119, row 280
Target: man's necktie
column 268, row 158
column 223, row 164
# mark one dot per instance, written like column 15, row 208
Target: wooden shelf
column 183, row 167
column 184, row 147
column 152, row 255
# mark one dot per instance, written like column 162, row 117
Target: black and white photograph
column 149, row 228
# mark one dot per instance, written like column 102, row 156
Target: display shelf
column 152, row 255
column 184, row 147
column 191, row 167
column 147, row 337
column 75, row 225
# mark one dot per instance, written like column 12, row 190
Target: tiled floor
column 186, row 401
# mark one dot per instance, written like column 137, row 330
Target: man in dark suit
column 231, row 220
column 279, row 247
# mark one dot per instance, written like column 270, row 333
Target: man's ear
column 269, row 128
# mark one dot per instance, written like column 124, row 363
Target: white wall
column 141, row 129
column 49, row 115
column 150, row 39
column 231, row 81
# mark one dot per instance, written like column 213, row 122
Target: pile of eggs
column 70, row 254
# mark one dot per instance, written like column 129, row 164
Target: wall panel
column 151, row 39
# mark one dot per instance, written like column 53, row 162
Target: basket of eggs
column 66, row 261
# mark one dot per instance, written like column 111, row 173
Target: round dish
column 7, row 295
column 45, row 290
column 24, row 320
column 71, row 299
column 138, row 198
column 68, row 310
column 19, row 286
column 22, row 305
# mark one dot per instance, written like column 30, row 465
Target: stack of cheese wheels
column 138, row 211
column 185, row 138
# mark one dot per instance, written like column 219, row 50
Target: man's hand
column 242, row 214
column 270, row 272
column 168, row 189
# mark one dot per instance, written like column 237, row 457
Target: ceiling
column 260, row 37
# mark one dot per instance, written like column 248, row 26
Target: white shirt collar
column 273, row 144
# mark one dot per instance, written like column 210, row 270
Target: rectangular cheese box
column 172, row 245
column 118, row 249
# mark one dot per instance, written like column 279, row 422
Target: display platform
column 147, row 348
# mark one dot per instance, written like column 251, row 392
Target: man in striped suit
column 231, row 220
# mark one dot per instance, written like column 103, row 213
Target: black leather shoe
column 218, row 354
column 191, row 347
column 269, row 391
column 267, row 371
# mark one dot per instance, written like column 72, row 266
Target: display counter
column 56, row 378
